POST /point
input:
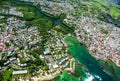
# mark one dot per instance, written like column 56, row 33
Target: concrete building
column 20, row 72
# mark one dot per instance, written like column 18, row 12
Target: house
column 6, row 63
column 23, row 65
column 49, row 58
column 65, row 65
column 47, row 51
column 1, row 46
column 55, row 66
column 12, row 59
column 20, row 72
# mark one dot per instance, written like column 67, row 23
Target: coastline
column 57, row 73
column 81, row 54
column 104, row 59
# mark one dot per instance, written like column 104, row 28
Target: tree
column 1, row 76
column 21, row 47
column 7, row 44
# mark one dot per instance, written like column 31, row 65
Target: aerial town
column 18, row 43
column 102, row 39
column 107, row 46
column 33, row 46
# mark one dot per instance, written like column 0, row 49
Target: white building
column 20, row 72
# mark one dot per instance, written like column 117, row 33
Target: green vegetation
column 6, row 3
column 49, row 15
column 115, row 13
column 71, row 41
column 111, row 69
column 7, row 44
column 28, row 12
column 62, row 17
column 100, row 9
column 64, row 29
column 80, row 71
column 21, row 48
column 3, row 20
column 7, row 75
column 104, row 31
column 35, row 19
column 37, row 60
column 1, row 62
column 1, row 76
column 33, row 65
column 2, row 25
column 45, row 67
column 0, row 1
column 43, row 24
column 66, row 77
column 32, row 69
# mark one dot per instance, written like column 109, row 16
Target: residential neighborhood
column 59, row 40
column 16, row 39
column 102, row 39
column 18, row 43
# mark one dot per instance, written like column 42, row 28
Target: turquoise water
column 66, row 77
column 80, row 53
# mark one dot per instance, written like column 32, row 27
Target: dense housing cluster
column 102, row 39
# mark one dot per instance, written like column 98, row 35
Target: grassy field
column 7, row 75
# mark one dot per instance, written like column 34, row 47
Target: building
column 20, row 72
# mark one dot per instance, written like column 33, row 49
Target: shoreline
column 93, row 55
column 51, row 76
column 57, row 73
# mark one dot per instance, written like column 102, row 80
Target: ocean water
column 81, row 53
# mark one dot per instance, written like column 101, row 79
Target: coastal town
column 102, row 39
column 17, row 40
column 18, row 43
column 33, row 46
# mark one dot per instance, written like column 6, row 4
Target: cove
column 81, row 53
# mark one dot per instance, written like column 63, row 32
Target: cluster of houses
column 11, row 11
column 57, row 57
column 102, row 39
column 53, row 7
column 56, row 52
column 16, row 39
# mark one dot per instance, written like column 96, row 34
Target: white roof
column 55, row 66
column 19, row 72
